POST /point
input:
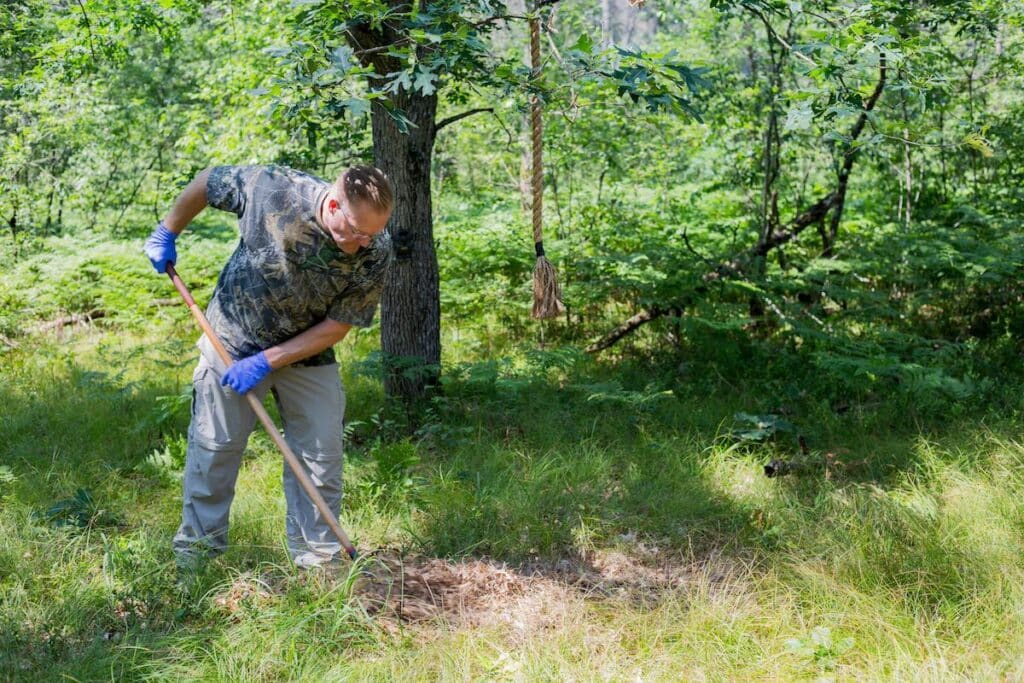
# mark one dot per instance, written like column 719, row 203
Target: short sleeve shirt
column 287, row 274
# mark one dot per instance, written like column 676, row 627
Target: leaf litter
column 476, row 592
column 409, row 590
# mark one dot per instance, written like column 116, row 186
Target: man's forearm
column 321, row 336
column 189, row 203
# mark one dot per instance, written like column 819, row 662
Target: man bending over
column 310, row 265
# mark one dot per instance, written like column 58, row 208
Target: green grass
column 907, row 565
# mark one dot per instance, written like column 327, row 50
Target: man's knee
column 325, row 471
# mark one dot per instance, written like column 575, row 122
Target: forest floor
column 547, row 517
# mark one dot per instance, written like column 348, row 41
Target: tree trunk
column 607, row 27
column 411, row 301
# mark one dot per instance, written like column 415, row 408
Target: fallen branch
column 734, row 267
column 76, row 319
column 641, row 318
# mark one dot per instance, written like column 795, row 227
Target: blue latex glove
column 160, row 248
column 246, row 373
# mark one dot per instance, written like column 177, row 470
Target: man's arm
column 311, row 342
column 250, row 371
column 159, row 247
column 189, row 203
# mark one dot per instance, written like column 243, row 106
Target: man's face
column 352, row 225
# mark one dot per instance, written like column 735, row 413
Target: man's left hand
column 246, row 373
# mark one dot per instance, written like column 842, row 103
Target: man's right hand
column 160, row 248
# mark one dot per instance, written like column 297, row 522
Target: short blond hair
column 367, row 184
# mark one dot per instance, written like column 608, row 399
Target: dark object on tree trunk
column 402, row 239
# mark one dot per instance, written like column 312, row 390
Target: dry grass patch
column 401, row 590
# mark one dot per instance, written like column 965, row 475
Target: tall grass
column 901, row 560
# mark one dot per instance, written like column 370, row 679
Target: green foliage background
column 672, row 139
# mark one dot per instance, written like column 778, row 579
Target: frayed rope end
column 547, row 295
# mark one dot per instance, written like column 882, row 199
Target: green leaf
column 583, row 44
column 341, row 58
column 401, row 80
column 425, row 81
column 400, row 119
column 798, row 118
column 979, row 144
column 357, row 105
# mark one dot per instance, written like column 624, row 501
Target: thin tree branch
column 74, row 319
column 508, row 145
column 850, row 154
column 381, row 48
column 496, row 18
column 88, row 28
column 689, row 247
column 780, row 39
column 458, row 117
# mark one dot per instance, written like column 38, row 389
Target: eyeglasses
column 348, row 222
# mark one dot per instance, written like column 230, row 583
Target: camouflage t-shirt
column 287, row 274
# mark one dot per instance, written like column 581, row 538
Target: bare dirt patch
column 533, row 596
column 412, row 591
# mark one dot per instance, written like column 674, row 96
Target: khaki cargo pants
column 311, row 401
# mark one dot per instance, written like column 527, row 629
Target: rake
column 264, row 418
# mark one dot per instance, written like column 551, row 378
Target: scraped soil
column 481, row 592
column 412, row 591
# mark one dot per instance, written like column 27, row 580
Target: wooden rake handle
column 264, row 418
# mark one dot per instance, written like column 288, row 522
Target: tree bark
column 410, row 310
column 411, row 302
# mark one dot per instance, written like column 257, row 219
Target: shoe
column 311, row 560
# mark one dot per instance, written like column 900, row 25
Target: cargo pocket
column 200, row 405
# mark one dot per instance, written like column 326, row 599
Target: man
column 309, row 267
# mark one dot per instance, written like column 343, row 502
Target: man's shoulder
column 268, row 176
column 286, row 174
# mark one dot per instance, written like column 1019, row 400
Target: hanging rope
column 547, row 295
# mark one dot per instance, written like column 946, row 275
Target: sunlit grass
column 902, row 560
